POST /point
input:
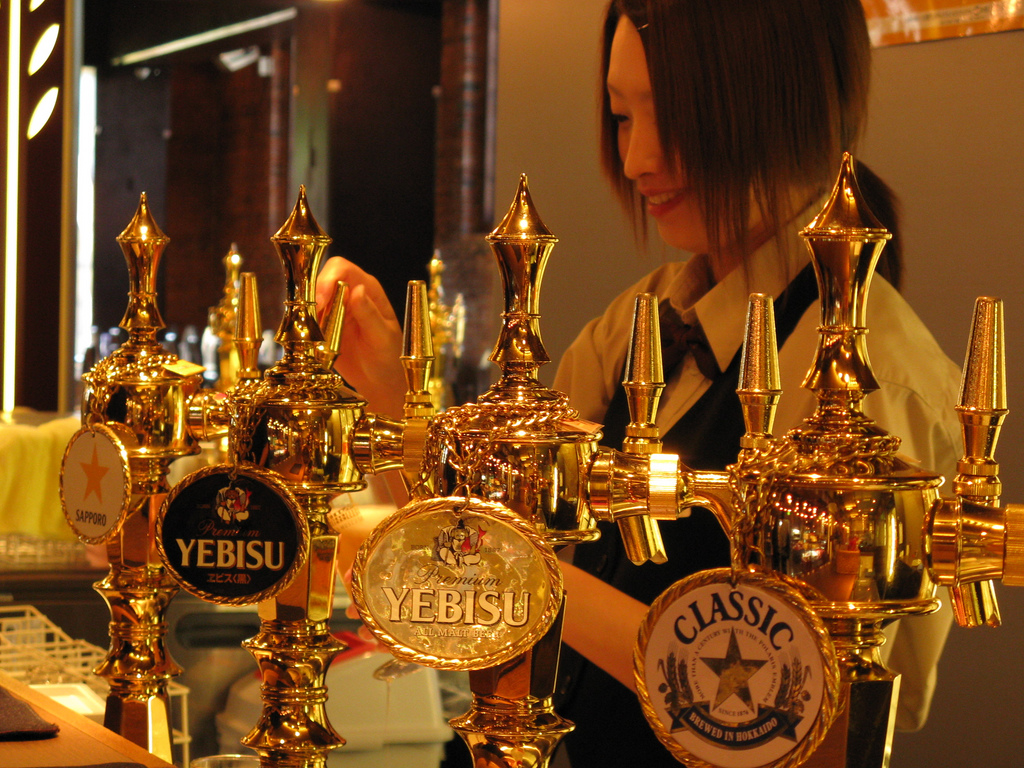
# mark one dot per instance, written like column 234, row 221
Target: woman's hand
column 371, row 339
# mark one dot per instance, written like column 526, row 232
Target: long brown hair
column 755, row 97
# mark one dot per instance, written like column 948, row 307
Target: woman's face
column 667, row 197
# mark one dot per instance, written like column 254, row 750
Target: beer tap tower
column 465, row 576
column 832, row 510
column 254, row 530
column 113, row 481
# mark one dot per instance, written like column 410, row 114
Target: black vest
column 610, row 728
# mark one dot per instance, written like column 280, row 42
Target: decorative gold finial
column 300, row 242
column 845, row 241
column 142, row 243
column 522, row 245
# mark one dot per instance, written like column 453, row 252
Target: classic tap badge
column 456, row 583
column 232, row 534
column 96, row 481
column 736, row 670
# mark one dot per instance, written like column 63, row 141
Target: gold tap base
column 511, row 734
column 293, row 657
column 862, row 733
column 512, row 722
column 137, row 665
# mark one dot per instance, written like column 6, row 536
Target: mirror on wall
column 220, row 109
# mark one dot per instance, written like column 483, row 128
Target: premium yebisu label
column 231, row 534
column 734, row 672
column 457, row 584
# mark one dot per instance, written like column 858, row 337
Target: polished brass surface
column 293, row 423
column 971, row 540
column 144, row 391
column 834, row 506
column 831, row 505
column 512, row 721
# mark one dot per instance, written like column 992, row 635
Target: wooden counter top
column 80, row 741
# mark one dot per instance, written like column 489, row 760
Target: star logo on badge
column 734, row 673
column 94, row 472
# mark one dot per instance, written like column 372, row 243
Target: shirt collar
column 722, row 310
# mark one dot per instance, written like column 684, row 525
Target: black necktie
column 679, row 338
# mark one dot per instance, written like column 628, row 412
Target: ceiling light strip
column 211, row 36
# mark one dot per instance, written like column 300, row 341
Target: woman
column 723, row 123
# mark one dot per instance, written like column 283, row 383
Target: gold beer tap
column 465, row 576
column 826, row 518
column 971, row 540
column 134, row 426
column 254, row 530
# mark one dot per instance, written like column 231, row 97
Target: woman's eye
column 619, row 119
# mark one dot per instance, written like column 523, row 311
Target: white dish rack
column 36, row 651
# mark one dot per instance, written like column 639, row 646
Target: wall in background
column 946, row 132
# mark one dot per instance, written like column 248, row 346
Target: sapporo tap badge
column 232, row 534
column 456, row 583
column 735, row 669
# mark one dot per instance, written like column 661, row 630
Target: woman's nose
column 641, row 150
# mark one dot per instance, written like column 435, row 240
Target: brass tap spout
column 248, row 328
column 639, row 484
column 379, row 443
column 223, row 321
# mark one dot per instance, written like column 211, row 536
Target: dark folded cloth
column 18, row 721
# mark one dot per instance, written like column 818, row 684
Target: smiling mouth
column 663, row 197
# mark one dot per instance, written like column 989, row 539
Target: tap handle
column 248, row 336
column 417, row 350
column 644, row 379
column 982, row 404
column 332, row 323
column 644, row 382
column 759, row 387
column 981, row 409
